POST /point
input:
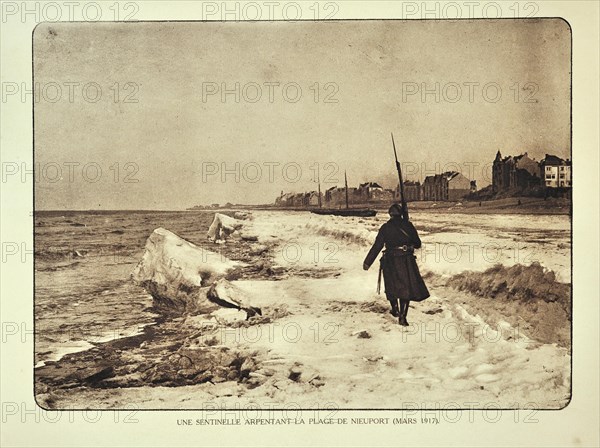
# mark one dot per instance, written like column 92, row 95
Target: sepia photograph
column 312, row 215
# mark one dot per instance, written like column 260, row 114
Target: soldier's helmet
column 395, row 210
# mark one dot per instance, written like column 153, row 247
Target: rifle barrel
column 401, row 184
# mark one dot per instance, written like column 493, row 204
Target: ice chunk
column 222, row 227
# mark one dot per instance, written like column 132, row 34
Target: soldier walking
column 401, row 276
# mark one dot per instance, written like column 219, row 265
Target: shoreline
column 509, row 206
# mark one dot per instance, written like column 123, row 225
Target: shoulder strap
column 398, row 225
column 404, row 232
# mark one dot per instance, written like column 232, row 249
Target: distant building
column 353, row 195
column 432, row 189
column 285, row 200
column 371, row 191
column 448, row 186
column 387, row 196
column 335, row 196
column 458, row 186
column 555, row 172
column 372, row 186
column 313, row 198
column 299, row 200
column 413, row 191
column 516, row 172
column 329, row 194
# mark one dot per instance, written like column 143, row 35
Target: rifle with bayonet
column 401, row 186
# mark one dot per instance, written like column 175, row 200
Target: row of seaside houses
column 508, row 173
column 336, row 196
column 448, row 186
column 523, row 172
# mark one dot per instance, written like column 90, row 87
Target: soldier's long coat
column 400, row 271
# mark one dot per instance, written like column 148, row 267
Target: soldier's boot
column 402, row 320
column 395, row 311
column 403, row 312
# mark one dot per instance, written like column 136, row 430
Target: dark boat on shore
column 361, row 212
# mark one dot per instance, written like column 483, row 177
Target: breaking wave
column 356, row 235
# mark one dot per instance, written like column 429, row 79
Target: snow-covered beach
column 326, row 337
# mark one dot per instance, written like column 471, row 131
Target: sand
column 326, row 338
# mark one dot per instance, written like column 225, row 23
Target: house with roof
column 448, row 186
column 555, row 172
column 334, row 195
column 285, row 200
column 413, row 191
column 313, row 198
column 518, row 172
column 328, row 194
column 370, row 191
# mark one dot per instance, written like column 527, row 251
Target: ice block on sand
column 222, row 227
column 179, row 275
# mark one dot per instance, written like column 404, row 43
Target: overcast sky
column 166, row 145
